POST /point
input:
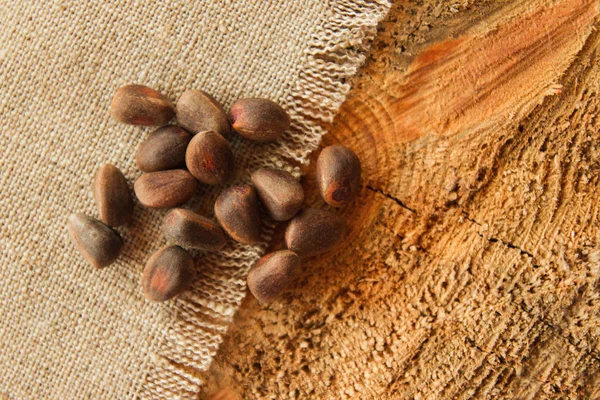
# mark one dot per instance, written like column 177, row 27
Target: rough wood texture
column 472, row 268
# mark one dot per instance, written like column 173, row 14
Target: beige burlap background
column 67, row 330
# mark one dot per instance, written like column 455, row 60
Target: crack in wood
column 569, row 339
column 389, row 196
column 590, row 353
column 475, row 345
column 498, row 240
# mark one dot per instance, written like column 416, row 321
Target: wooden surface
column 473, row 263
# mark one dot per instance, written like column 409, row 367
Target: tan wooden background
column 472, row 267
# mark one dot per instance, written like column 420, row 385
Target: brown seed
column 164, row 189
column 188, row 229
column 99, row 244
column 338, row 175
column 140, row 105
column 279, row 191
column 258, row 119
column 272, row 275
column 112, row 196
column 164, row 149
column 197, row 111
column 167, row 273
column 314, row 231
column 209, row 158
column 238, row 211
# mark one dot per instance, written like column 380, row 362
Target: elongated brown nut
column 188, row 229
column 338, row 175
column 314, row 231
column 113, row 197
column 167, row 273
column 197, row 111
column 209, row 158
column 99, row 244
column 280, row 193
column 163, row 149
column 272, row 275
column 165, row 189
column 238, row 211
column 258, row 119
column 140, row 105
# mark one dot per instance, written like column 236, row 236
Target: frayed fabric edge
column 336, row 51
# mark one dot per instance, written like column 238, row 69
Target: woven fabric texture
column 71, row 331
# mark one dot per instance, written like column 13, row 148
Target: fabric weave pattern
column 68, row 330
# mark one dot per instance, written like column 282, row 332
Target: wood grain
column 472, row 266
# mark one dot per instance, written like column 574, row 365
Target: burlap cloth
column 67, row 330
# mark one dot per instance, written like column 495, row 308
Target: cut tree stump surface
column 472, row 269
